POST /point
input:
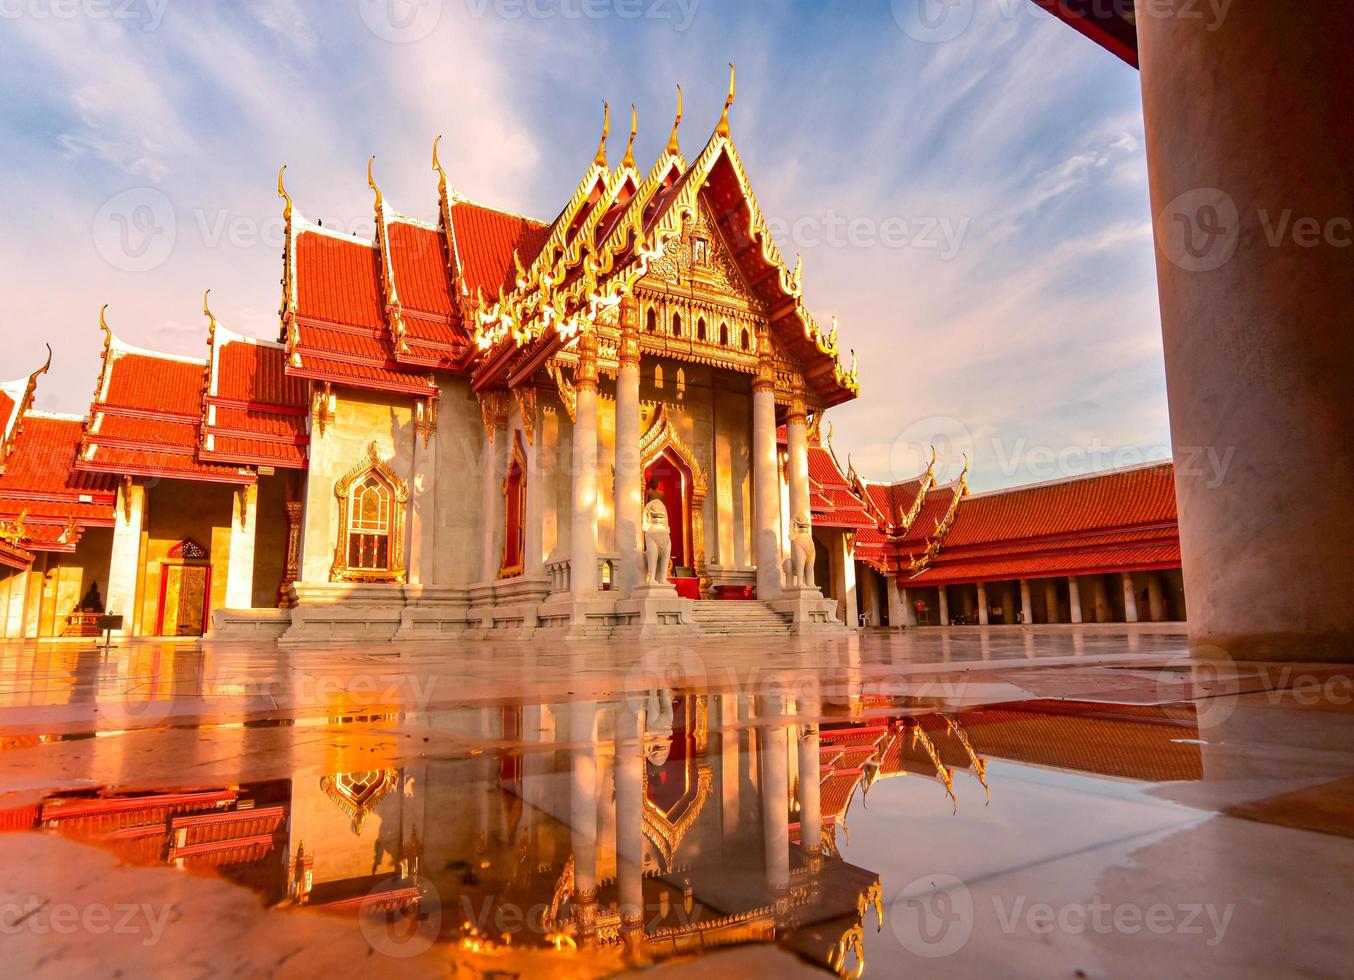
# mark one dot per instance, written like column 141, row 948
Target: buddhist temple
column 479, row 424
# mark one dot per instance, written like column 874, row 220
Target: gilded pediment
column 698, row 262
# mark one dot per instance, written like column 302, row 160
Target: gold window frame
column 395, row 570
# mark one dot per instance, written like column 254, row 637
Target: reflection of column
column 126, row 558
column 1156, row 600
column 797, row 440
column 944, row 606
column 240, row 561
column 982, row 603
column 629, row 475
column 1130, row 599
column 583, row 534
column 1026, row 603
column 775, row 795
column 765, row 480
column 423, row 493
column 495, row 405
column 533, row 562
column 1074, row 597
column 810, row 809
column 630, row 818
column 583, row 816
column 1051, row 611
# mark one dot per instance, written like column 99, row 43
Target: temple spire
column 437, row 165
column 371, row 182
column 600, row 159
column 282, row 193
column 674, row 147
column 723, row 128
column 211, row 319
column 107, row 330
column 628, row 162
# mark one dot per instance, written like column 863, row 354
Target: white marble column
column 1074, row 597
column 775, row 794
column 125, row 564
column 1026, row 603
column 533, row 562
column 944, row 603
column 843, row 564
column 423, row 494
column 240, row 560
column 982, row 603
column 901, row 610
column 1051, row 610
column 583, row 575
column 630, row 818
column 797, row 441
column 765, row 478
column 629, row 467
column 583, row 815
column 495, row 407
column 1130, row 599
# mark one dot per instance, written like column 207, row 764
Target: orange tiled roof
column 833, row 501
column 39, row 481
column 255, row 413
column 485, row 242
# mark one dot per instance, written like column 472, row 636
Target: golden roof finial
column 211, row 319
column 675, row 148
column 629, row 159
column 371, row 182
column 723, row 128
column 437, row 165
column 107, row 330
column 282, row 193
column 45, row 367
column 600, row 159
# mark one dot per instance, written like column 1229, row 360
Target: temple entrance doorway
column 185, row 591
column 669, row 473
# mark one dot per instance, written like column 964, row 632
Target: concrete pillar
column 583, row 816
column 944, row 606
column 843, row 565
column 901, row 610
column 775, row 794
column 423, row 495
column 630, row 818
column 1156, row 599
column 1102, row 599
column 629, row 467
column 1074, row 597
column 583, row 534
column 765, row 478
column 982, row 603
column 124, row 566
column 244, row 519
column 1130, row 599
column 1249, row 159
column 1051, row 609
column 1026, row 603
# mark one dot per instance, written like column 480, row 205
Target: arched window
column 700, row 329
column 746, row 341
column 724, row 334
column 370, row 546
column 651, row 321
column 676, row 324
column 658, row 376
column 514, row 513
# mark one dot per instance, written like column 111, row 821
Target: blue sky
column 970, row 199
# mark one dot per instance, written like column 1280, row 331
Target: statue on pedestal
column 799, row 566
column 657, row 538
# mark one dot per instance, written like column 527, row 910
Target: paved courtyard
column 1070, row 801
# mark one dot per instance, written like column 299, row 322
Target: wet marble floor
column 1061, row 801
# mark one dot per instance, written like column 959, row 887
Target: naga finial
column 600, row 159
column 437, row 165
column 45, row 367
column 107, row 330
column 371, row 182
column 674, row 147
column 211, row 319
column 723, row 128
column 282, row 193
column 628, row 162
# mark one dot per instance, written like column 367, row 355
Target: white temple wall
column 461, row 447
column 557, row 450
column 732, row 479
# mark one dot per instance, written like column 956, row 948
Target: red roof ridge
column 1059, row 481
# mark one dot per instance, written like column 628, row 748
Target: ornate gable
column 699, row 260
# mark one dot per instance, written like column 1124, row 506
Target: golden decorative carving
column 292, row 569
column 979, row 764
column 600, row 159
column 943, row 524
column 628, row 161
column 358, row 793
column 16, row 530
column 394, row 310
column 661, row 435
column 674, row 148
column 21, row 409
column 943, row 772
column 798, row 412
column 568, row 395
column 526, row 407
column 325, row 405
column 723, row 128
column 585, row 373
column 393, row 530
column 765, row 378
column 425, row 418
column 494, row 407
column 627, row 352
column 666, row 834
column 126, row 499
